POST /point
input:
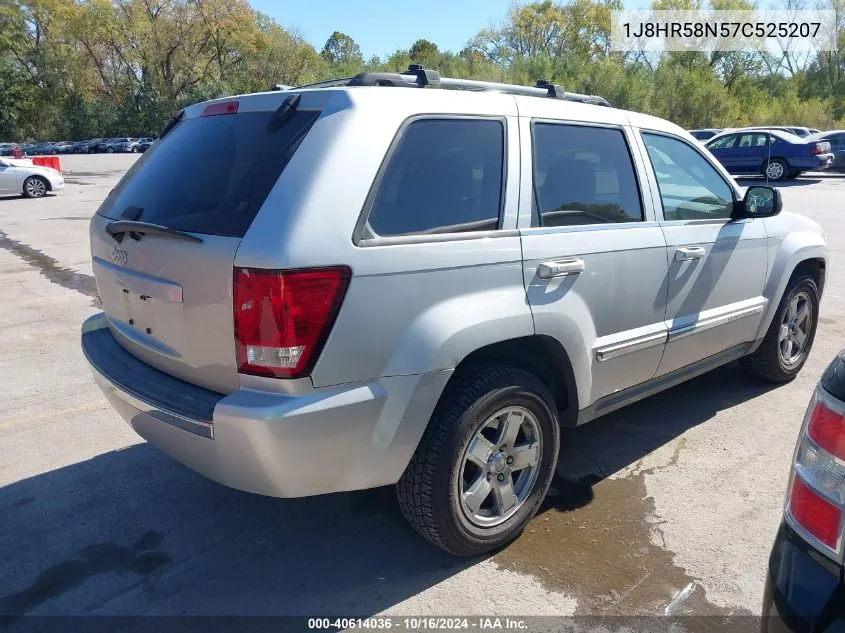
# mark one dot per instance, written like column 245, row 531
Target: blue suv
column 771, row 153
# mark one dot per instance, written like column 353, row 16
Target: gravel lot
column 667, row 507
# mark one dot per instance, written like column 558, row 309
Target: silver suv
column 364, row 282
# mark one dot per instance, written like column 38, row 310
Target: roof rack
column 418, row 76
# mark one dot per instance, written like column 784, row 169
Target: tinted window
column 837, row 140
column 583, row 175
column 726, row 142
column 210, row 174
column 444, row 176
column 690, row 187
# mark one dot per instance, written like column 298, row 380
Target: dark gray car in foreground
column 805, row 590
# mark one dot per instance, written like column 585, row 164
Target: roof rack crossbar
column 419, row 77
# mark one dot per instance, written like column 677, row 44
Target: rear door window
column 209, row 174
column 444, row 176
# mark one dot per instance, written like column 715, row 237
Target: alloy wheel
column 795, row 328
column 36, row 188
column 500, row 466
column 774, row 171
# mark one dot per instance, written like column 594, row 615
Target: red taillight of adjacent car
column 814, row 513
column 820, row 148
column 816, row 499
column 282, row 317
column 827, row 429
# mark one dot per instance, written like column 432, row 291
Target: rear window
column 209, row 174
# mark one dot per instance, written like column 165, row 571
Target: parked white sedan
column 20, row 176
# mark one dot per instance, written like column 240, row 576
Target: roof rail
column 419, row 77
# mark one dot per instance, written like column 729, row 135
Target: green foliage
column 425, row 53
column 342, row 55
column 83, row 68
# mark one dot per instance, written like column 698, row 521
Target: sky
column 382, row 26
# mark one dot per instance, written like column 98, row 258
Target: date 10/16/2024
column 419, row 623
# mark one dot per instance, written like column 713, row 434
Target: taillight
column 816, row 499
column 226, row 107
column 820, row 148
column 827, row 429
column 282, row 317
column 816, row 514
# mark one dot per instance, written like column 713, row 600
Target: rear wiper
column 135, row 228
column 284, row 113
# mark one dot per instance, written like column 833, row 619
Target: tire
column 135, row 150
column 776, row 169
column 429, row 491
column 35, row 187
column 768, row 362
column 110, row 150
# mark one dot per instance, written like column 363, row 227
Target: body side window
column 726, row 142
column 444, row 175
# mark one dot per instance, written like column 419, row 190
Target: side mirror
column 759, row 202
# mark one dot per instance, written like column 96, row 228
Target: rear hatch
column 164, row 240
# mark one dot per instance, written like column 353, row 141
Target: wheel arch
column 46, row 181
column 541, row 355
column 816, row 267
column 800, row 252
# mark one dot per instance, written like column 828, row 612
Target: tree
column 342, row 49
column 425, row 53
column 85, row 68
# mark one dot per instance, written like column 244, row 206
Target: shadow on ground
column 132, row 532
column 6, row 197
column 801, row 181
column 594, row 537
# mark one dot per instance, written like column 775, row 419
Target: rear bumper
column 349, row 437
column 804, row 591
column 812, row 163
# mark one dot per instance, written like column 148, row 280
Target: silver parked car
column 22, row 177
column 342, row 287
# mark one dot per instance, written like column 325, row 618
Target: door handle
column 562, row 268
column 686, row 254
